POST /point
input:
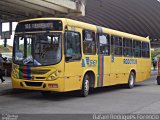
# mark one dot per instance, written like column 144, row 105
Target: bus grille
column 39, row 71
column 34, row 84
column 36, row 72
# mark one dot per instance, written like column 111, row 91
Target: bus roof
column 88, row 26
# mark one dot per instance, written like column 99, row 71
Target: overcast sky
column 5, row 27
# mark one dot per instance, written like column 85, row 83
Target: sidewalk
column 7, row 82
column 154, row 72
column 6, row 88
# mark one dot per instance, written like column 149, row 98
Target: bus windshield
column 37, row 49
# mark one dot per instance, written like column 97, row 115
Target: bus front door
column 73, row 65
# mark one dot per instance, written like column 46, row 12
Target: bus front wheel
column 131, row 80
column 85, row 86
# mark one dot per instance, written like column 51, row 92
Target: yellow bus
column 60, row 54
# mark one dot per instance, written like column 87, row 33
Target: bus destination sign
column 40, row 25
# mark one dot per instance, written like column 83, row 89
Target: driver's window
column 19, row 50
column 29, row 41
column 72, row 46
column 48, row 48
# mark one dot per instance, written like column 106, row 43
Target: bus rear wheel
column 85, row 87
column 131, row 80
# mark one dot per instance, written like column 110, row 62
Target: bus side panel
column 124, row 71
column 90, row 64
column 139, row 75
column 144, row 69
column 118, row 75
column 107, row 67
column 129, row 64
column 103, row 71
column 73, row 73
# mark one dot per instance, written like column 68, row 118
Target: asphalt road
column 143, row 98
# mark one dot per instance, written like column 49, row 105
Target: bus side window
column 137, row 48
column 103, row 44
column 127, row 47
column 89, row 44
column 116, row 45
column 145, row 50
column 72, row 46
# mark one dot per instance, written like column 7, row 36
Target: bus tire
column 85, row 87
column 158, row 80
column 46, row 93
column 131, row 80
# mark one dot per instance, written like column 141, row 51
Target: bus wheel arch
column 133, row 70
column 131, row 79
column 88, row 82
column 92, row 77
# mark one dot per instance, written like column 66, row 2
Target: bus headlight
column 55, row 75
column 52, row 77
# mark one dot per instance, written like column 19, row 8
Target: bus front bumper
column 56, row 85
